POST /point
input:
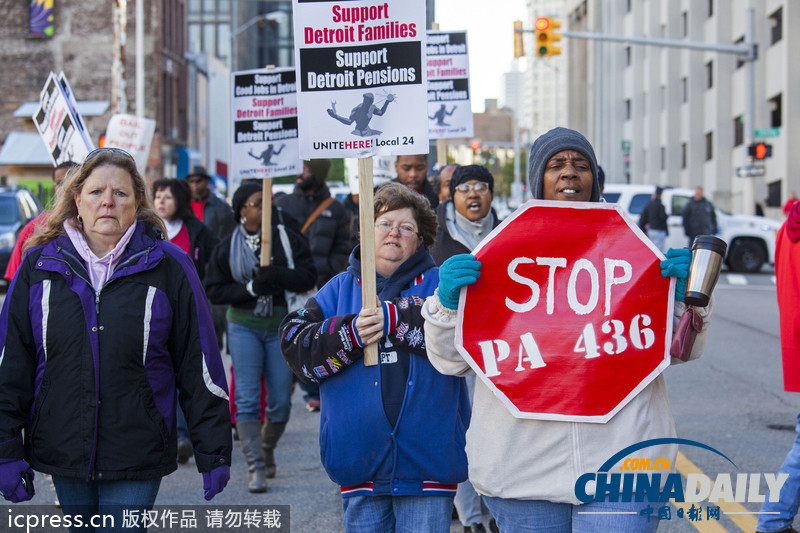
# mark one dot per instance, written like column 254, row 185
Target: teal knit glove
column 458, row 271
column 677, row 264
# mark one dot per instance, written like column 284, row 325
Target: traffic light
column 546, row 36
column 475, row 145
column 759, row 150
column 519, row 46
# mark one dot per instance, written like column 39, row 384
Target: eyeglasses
column 481, row 187
column 93, row 153
column 386, row 227
column 254, row 204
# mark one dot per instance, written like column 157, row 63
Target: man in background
column 213, row 212
column 59, row 173
column 653, row 220
column 412, row 171
column 699, row 217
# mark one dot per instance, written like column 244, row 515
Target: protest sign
column 571, row 316
column 59, row 124
column 361, row 86
column 132, row 134
column 449, row 106
column 264, row 135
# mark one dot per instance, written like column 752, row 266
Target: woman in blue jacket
column 104, row 329
column 391, row 435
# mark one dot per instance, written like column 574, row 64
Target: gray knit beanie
column 548, row 145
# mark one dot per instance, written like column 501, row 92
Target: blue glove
column 215, row 481
column 11, row 483
column 677, row 264
column 458, row 271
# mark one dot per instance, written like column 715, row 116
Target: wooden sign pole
column 367, row 230
column 266, row 220
column 441, row 154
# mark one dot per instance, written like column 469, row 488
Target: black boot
column 250, row 437
column 270, row 434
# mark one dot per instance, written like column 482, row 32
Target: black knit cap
column 549, row 144
column 241, row 195
column 469, row 173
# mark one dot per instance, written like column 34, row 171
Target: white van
column 751, row 239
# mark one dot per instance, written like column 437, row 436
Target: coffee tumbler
column 708, row 253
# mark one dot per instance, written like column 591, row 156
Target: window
column 738, row 130
column 685, row 21
column 775, row 111
column 663, row 158
column 710, row 8
column 685, row 89
column 774, row 194
column 628, row 109
column 776, row 26
column 678, row 203
column 709, row 75
column 627, row 56
column 739, row 61
column 638, row 202
column 683, row 155
column 709, row 145
column 628, row 6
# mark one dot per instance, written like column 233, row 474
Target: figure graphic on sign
column 441, row 113
column 362, row 114
column 266, row 155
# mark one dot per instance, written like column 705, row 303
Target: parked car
column 751, row 239
column 17, row 207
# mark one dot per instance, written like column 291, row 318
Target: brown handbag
column 689, row 326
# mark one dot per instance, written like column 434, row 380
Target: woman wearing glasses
column 256, row 301
column 391, row 435
column 104, row 328
column 467, row 217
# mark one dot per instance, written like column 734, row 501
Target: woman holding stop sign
column 528, row 468
column 391, row 435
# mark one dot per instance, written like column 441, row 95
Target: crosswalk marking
column 736, row 279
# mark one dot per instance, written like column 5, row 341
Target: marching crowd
column 111, row 374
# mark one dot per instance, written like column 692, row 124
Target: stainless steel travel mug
column 708, row 252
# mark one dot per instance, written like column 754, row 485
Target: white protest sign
column 447, row 64
column 362, row 86
column 264, row 135
column 132, row 134
column 73, row 108
column 59, row 125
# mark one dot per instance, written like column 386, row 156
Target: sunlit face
column 412, row 171
column 568, row 177
column 165, row 204
column 396, row 239
column 107, row 205
column 199, row 187
column 58, row 178
column 473, row 205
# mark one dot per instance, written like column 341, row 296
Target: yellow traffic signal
column 519, row 46
column 546, row 36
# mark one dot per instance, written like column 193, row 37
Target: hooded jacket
column 92, row 377
column 361, row 449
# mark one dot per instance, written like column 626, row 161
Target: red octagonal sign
column 571, row 316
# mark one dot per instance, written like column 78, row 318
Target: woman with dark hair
column 256, row 296
column 173, row 202
column 103, row 331
column 391, row 435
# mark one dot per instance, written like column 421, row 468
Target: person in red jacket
column 14, row 261
column 779, row 515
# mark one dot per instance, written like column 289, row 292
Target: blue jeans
column 467, row 501
column 787, row 504
column 539, row 516
column 101, row 501
column 659, row 237
column 397, row 514
column 256, row 353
